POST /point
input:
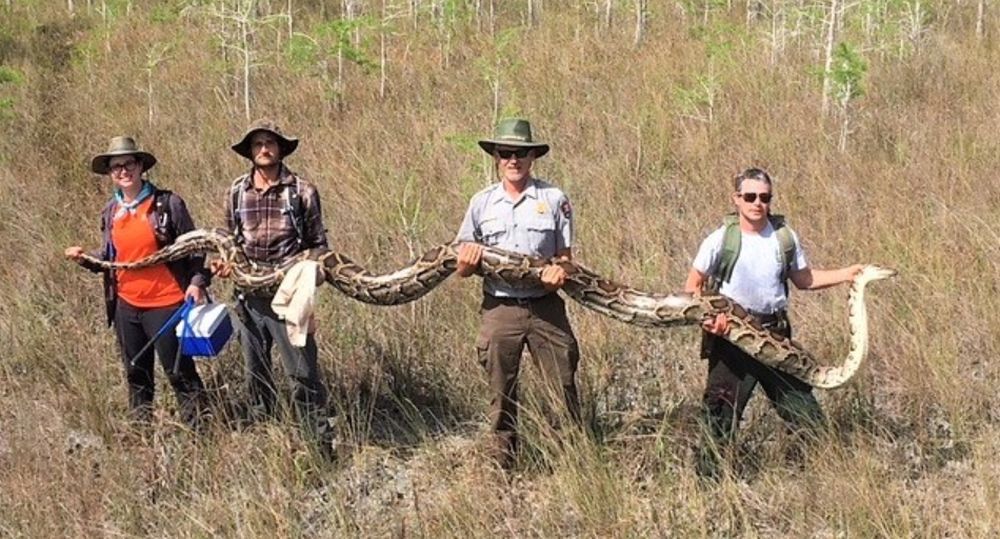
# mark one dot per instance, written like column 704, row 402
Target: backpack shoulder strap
column 107, row 217
column 163, row 228
column 786, row 242
column 731, row 240
column 786, row 245
column 295, row 207
column 236, row 206
column 107, row 213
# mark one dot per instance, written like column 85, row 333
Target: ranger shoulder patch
column 566, row 209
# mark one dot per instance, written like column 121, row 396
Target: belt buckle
column 773, row 320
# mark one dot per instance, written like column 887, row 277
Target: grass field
column 389, row 98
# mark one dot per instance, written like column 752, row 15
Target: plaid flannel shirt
column 269, row 234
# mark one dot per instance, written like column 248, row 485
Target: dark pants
column 732, row 377
column 507, row 326
column 135, row 327
column 263, row 330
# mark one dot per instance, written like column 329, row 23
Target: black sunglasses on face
column 119, row 167
column 521, row 153
column 765, row 198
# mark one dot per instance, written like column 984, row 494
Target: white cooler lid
column 204, row 319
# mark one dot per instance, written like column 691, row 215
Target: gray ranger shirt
column 539, row 224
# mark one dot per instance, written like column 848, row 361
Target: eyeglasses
column 750, row 198
column 127, row 165
column 521, row 153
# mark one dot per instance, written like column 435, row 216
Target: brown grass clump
column 645, row 138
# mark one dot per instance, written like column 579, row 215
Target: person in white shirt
column 750, row 259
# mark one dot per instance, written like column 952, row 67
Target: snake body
column 612, row 299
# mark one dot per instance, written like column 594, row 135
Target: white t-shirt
column 756, row 280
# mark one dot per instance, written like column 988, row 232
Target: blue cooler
column 204, row 330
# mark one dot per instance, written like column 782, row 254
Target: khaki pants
column 507, row 326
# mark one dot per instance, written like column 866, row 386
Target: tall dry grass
column 913, row 438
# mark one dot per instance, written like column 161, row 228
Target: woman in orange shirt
column 137, row 221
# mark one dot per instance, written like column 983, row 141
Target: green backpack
column 731, row 240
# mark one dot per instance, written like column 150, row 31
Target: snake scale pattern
column 618, row 301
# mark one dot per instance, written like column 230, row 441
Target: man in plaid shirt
column 276, row 214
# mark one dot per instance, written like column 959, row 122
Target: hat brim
column 101, row 164
column 286, row 145
column 489, row 145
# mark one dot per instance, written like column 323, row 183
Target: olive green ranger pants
column 508, row 325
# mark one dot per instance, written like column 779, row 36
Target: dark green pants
column 732, row 377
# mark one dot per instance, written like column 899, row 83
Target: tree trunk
column 845, row 126
column 382, row 57
column 916, row 22
column 830, row 37
column 245, row 30
column 496, row 95
column 641, row 14
column 638, row 151
column 777, row 34
column 107, row 26
column 340, row 78
column 980, row 12
column 493, row 18
column 149, row 95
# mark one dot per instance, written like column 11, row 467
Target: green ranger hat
column 516, row 133
column 121, row 146
column 286, row 144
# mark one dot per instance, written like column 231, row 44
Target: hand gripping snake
column 618, row 301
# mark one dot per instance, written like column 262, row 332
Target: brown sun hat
column 121, row 146
column 516, row 133
column 286, row 144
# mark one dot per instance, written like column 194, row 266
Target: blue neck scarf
column 130, row 207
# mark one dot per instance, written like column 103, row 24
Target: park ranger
column 526, row 215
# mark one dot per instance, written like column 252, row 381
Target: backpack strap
column 236, row 207
column 295, row 208
column 786, row 243
column 163, row 228
column 731, row 240
column 106, row 217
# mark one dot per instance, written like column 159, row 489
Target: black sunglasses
column 765, row 198
column 127, row 165
column 521, row 153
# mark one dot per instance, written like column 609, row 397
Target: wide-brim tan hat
column 121, row 146
column 286, row 144
column 514, row 132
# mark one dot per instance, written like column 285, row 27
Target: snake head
column 874, row 272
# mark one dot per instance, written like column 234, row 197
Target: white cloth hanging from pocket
column 295, row 300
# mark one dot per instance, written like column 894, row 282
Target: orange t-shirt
column 133, row 239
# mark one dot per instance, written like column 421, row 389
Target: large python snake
column 618, row 301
